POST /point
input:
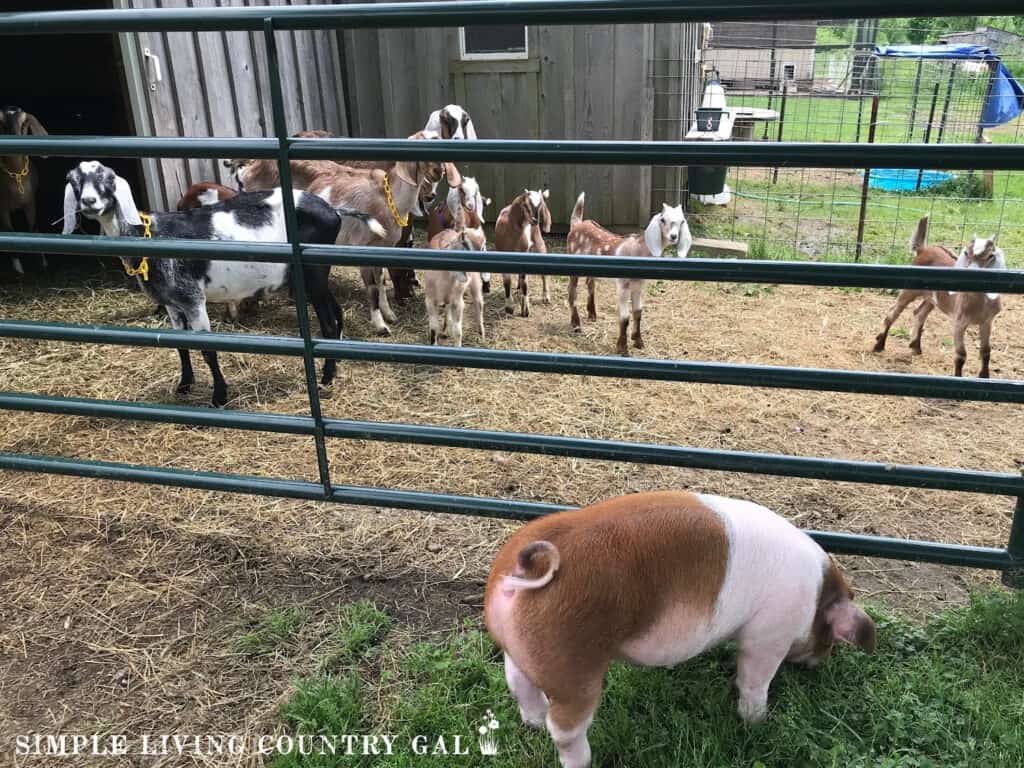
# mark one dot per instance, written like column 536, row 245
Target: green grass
column 272, row 631
column 359, row 629
column 949, row 694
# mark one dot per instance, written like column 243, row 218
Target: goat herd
column 373, row 203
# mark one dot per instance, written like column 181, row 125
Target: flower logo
column 487, row 732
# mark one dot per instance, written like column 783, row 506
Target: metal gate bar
column 283, row 149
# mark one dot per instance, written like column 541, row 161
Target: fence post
column 1014, row 577
column 859, row 246
column 298, row 278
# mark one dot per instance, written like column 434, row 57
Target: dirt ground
column 120, row 604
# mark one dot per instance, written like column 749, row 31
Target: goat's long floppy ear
column 468, row 128
column 30, row 124
column 452, row 175
column 126, row 202
column 545, row 214
column 70, row 209
column 961, row 260
column 998, row 262
column 652, row 236
column 408, row 171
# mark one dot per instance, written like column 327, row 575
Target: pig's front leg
column 756, row 666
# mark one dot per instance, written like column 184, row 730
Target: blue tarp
column 1004, row 103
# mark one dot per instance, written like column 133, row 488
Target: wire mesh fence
column 824, row 81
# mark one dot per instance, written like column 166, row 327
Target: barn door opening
column 73, row 84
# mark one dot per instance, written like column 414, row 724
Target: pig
column 655, row 579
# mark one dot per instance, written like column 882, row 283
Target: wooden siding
column 589, row 82
column 217, row 84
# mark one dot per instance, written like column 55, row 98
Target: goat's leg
column 905, row 297
column 188, row 376
column 385, row 306
column 30, row 220
column 637, row 298
column 622, row 296
column 325, row 313
column 199, row 320
column 920, row 315
column 574, row 316
column 456, row 307
column 373, row 279
column 7, row 226
column 984, row 339
column 476, row 286
column 506, row 281
column 524, row 300
column 433, row 319
column 959, row 344
column 591, row 302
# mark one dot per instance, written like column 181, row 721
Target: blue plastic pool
column 903, row 179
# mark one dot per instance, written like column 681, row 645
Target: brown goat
column 963, row 309
column 518, row 228
column 446, row 289
column 19, row 181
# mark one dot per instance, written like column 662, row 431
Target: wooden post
column 928, row 131
column 913, row 102
column 867, row 180
column 782, row 122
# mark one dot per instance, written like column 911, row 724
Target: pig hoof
column 753, row 712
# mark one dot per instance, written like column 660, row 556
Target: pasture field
column 140, row 609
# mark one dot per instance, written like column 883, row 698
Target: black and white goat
column 184, row 286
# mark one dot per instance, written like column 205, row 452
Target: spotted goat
column 665, row 232
column 184, row 287
column 519, row 228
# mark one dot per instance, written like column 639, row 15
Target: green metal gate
column 564, row 12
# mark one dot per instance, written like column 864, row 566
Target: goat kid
column 464, row 200
column 20, row 181
column 445, row 290
column 963, row 309
column 387, row 195
column 184, row 287
column 665, row 231
column 518, row 228
column 655, row 579
column 451, row 122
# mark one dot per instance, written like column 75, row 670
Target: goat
column 444, row 289
column 184, row 287
column 19, row 183
column 518, row 228
column 467, row 200
column 388, row 195
column 963, row 309
column 665, row 230
column 204, row 193
column 451, row 122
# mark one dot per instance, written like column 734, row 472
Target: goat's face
column 668, row 230
column 237, row 169
column 455, row 123
column 535, row 208
column 99, row 194
column 14, row 121
column 981, row 253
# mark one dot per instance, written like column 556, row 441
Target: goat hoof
column 638, row 343
column 592, row 316
column 184, row 387
column 915, row 349
column 385, row 331
column 220, row 399
column 622, row 350
column 879, row 345
column 509, row 311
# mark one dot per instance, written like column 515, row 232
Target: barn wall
column 217, row 84
column 589, row 82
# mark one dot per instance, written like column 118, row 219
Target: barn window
column 498, row 41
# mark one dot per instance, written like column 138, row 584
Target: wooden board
column 709, row 247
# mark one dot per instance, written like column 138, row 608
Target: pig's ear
column 850, row 624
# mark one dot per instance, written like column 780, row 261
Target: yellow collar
column 143, row 269
column 19, row 177
column 391, row 203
